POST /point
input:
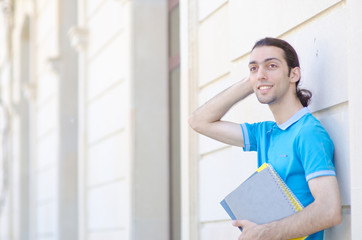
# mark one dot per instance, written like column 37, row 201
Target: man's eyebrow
column 266, row 60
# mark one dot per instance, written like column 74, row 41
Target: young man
column 295, row 144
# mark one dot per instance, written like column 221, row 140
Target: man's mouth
column 264, row 87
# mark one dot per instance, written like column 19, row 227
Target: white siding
column 105, row 186
column 355, row 116
column 226, row 33
column 106, row 160
column 213, row 47
column 107, row 207
column 101, row 73
column 123, row 111
column 45, row 177
column 221, row 172
column 326, row 41
column 104, row 120
column 252, row 20
column 106, row 21
column 207, row 7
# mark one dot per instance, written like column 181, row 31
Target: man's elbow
column 195, row 123
column 335, row 216
column 192, row 122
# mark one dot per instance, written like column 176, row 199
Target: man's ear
column 295, row 74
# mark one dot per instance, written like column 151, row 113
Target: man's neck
column 283, row 112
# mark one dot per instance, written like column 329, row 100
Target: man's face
column 269, row 74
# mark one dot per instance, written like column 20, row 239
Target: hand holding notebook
column 262, row 198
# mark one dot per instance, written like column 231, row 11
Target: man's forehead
column 266, row 53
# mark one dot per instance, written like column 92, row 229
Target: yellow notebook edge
column 293, row 199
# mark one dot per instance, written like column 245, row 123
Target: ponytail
column 304, row 96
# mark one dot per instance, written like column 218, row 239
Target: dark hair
column 291, row 58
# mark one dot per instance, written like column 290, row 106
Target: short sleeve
column 249, row 135
column 316, row 151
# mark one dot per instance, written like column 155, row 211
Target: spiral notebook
column 263, row 197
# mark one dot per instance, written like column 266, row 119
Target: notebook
column 263, row 197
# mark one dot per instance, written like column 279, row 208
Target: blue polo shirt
column 300, row 149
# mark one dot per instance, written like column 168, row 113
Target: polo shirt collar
column 294, row 118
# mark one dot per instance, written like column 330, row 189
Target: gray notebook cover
column 259, row 199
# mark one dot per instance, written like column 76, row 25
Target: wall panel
column 46, row 151
column 45, row 175
column 217, row 230
column 47, row 85
column 46, row 117
column 104, row 24
column 46, row 220
column 111, row 235
column 108, row 67
column 107, row 160
column 105, row 183
column 93, row 5
column 46, row 21
column 319, row 34
column 219, row 173
column 207, row 7
column 252, row 20
column 336, row 121
column 326, row 42
column 213, row 47
column 107, row 207
column 46, row 182
column 102, row 117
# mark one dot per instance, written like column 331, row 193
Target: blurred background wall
column 95, row 96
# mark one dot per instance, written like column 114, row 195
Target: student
column 295, row 144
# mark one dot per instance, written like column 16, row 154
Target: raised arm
column 206, row 119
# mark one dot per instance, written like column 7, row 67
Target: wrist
column 246, row 87
column 271, row 231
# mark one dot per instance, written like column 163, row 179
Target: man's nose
column 261, row 73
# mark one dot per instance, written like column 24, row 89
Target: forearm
column 323, row 213
column 304, row 223
column 218, row 106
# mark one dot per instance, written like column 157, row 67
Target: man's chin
column 265, row 101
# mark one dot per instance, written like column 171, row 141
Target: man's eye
column 272, row 65
column 252, row 69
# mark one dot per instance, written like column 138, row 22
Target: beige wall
column 99, row 154
column 225, row 33
column 4, row 78
column 105, row 156
column 42, row 162
column 124, row 120
column 355, row 117
column 37, row 202
column 35, row 172
column 103, row 146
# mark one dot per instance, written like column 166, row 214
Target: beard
column 263, row 99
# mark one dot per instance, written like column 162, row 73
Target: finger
column 239, row 223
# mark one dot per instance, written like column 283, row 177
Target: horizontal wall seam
column 313, row 18
column 203, row 155
column 213, row 12
column 111, row 39
column 222, row 76
column 105, row 91
column 106, row 183
column 106, row 137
